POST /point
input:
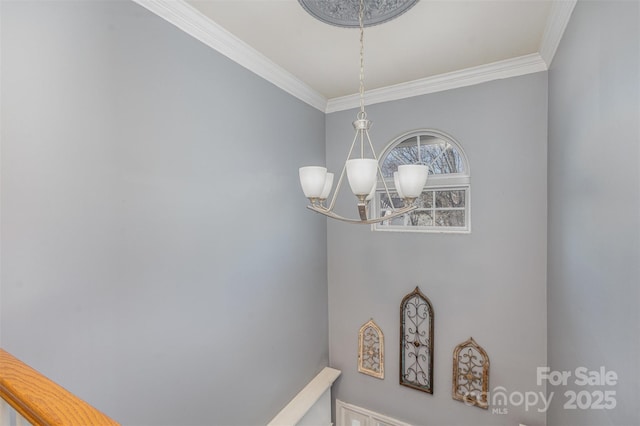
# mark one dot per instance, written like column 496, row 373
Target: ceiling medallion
column 344, row 13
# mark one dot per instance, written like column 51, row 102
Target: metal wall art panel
column 471, row 374
column 371, row 350
column 416, row 342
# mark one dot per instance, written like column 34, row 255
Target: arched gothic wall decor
column 371, row 350
column 416, row 342
column 471, row 374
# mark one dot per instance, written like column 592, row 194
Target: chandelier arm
column 386, row 188
column 332, row 215
column 344, row 168
column 335, row 192
column 373, row 151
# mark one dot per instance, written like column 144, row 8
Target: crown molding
column 556, row 24
column 197, row 25
column 467, row 77
column 194, row 23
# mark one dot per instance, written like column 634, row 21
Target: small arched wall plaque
column 416, row 342
column 371, row 350
column 471, row 374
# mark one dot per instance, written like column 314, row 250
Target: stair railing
column 28, row 397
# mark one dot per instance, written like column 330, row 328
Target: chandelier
column 362, row 172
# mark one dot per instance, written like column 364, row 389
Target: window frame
column 452, row 181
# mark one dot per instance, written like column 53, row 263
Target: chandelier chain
column 360, row 21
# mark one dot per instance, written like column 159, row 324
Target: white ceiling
column 433, row 41
column 433, row 37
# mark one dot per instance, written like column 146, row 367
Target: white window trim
column 430, row 229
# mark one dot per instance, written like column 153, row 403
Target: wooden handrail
column 41, row 401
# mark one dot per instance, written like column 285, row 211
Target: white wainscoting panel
column 352, row 415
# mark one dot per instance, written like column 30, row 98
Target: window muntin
column 444, row 203
column 443, row 158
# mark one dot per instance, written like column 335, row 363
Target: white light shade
column 397, row 184
column 312, row 179
column 361, row 173
column 412, row 178
column 328, row 183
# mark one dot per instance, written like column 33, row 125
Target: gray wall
column 157, row 258
column 490, row 284
column 594, row 208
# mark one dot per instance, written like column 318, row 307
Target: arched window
column 444, row 204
